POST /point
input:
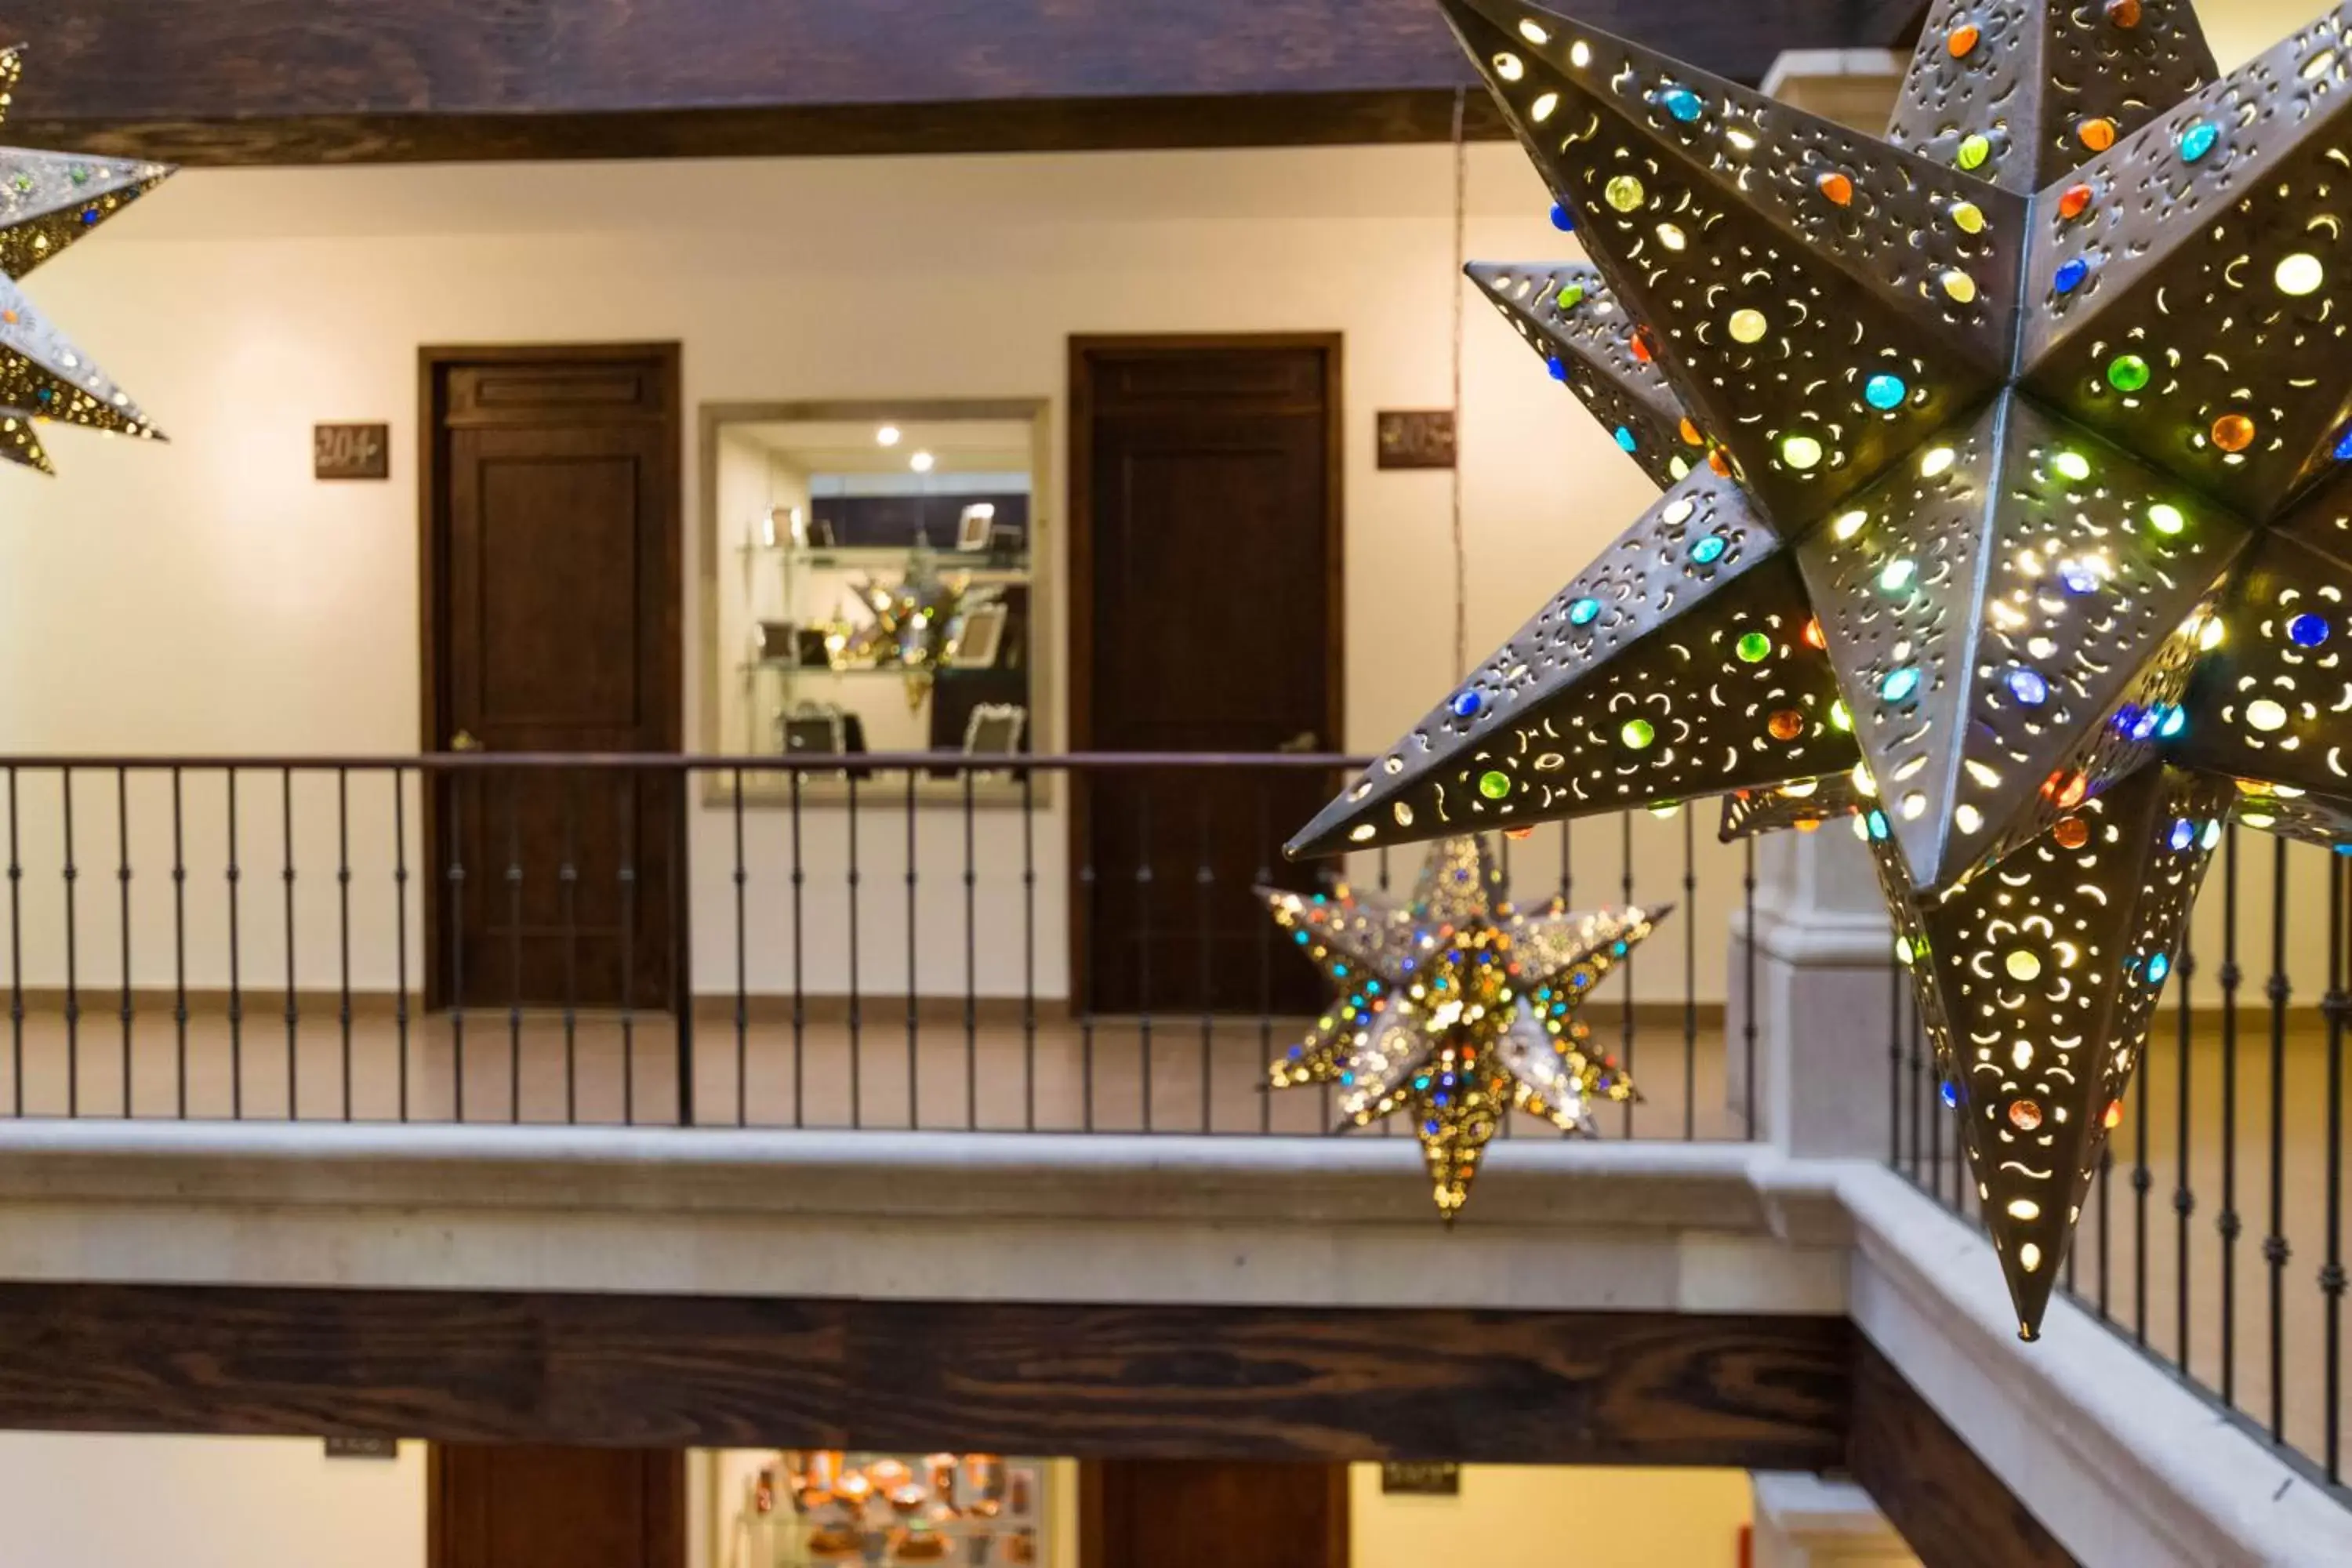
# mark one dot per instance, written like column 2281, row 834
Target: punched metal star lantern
column 47, row 201
column 2010, row 493
column 1456, row 1009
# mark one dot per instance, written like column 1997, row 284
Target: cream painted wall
column 208, row 596
column 1513, row 1516
column 85, row 1501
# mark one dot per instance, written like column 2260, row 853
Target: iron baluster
column 73, row 982
column 631, row 828
column 800, row 984
column 1265, row 949
column 914, row 1027
column 514, row 948
column 179, row 946
column 1690, row 976
column 123, row 878
column 1029, row 948
column 16, row 954
column 293, row 1008
column 2184, row 1191
column 400, row 925
column 970, row 963
column 1625, row 965
column 2226, row 1224
column 1748, row 985
column 567, row 892
column 2334, row 1007
column 343, row 923
column 856, row 1035
column 457, row 879
column 743, row 971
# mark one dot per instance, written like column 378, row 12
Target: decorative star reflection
column 1456, row 1009
column 47, row 201
column 2010, row 477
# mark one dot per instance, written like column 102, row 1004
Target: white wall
column 85, row 1501
column 208, row 596
column 1524, row 1516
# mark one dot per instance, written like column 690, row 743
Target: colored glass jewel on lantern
column 2114, row 1117
column 2166, row 518
column 1786, row 724
column 2233, row 432
column 1494, row 785
column 1562, row 219
column 1975, row 148
column 1959, row 286
column 1800, row 451
column 2022, row 965
column 1950, row 1092
column 1681, row 102
column 2028, row 687
column 1753, row 648
column 2127, row 373
column 2184, row 834
column 1467, row 704
column 2266, row 715
column 1898, row 574
column 2307, row 630
column 1708, row 549
column 1900, row 685
column 1558, row 366
column 1638, row 733
column 2073, row 202
column 2158, row 967
column 2073, row 465
column 2024, row 1115
column 1583, row 612
column 1748, row 326
column 1967, row 217
column 1624, row 193
column 1815, row 636
column 2070, row 275
column 1569, row 296
column 1625, row 439
column 1961, row 40
column 2097, row 134
column 1885, row 392
column 2198, row 140
column 2299, row 274
column 1837, row 187
column 1690, row 435
column 2070, row 832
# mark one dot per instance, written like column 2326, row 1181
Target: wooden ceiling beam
column 304, row 81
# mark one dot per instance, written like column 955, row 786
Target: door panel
column 1183, row 1514
column 516, row 1507
column 1210, row 544
column 555, row 630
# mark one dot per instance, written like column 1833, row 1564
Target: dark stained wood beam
column 1621, row 1388
column 1951, row 1510
column 254, row 81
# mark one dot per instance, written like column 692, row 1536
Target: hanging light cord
column 1454, row 283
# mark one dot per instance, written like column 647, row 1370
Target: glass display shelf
column 980, row 565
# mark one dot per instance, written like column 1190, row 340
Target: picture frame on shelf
column 814, row 729
column 994, row 730
column 776, row 642
column 975, row 527
column 982, row 640
column 1007, row 541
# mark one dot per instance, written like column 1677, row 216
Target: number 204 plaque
column 352, row 452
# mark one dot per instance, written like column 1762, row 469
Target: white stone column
column 1808, row 1521
column 1821, row 961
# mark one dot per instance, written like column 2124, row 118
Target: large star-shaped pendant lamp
column 1456, row 1009
column 2009, row 475
column 47, row 201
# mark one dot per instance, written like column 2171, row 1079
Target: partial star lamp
column 1457, row 1010
column 47, row 201
column 2008, row 512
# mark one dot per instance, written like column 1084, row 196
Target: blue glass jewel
column 2184, row 834
column 1708, row 550
column 2070, row 276
column 1467, row 704
column 1625, row 441
column 2198, row 140
column 2344, row 446
column 2176, row 720
column 1883, row 392
column 1899, row 684
column 2158, row 967
column 2078, row 578
column 1681, row 102
column 1584, row 612
column 1562, row 219
column 1952, row 1094
column 2307, row 631
column 1552, row 363
column 2028, row 687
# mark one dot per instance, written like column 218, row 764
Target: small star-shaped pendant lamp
column 2009, row 493
column 1456, row 1009
column 47, row 201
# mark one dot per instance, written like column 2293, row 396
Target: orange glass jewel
column 2073, row 202
column 1962, row 39
column 2115, row 1117
column 2233, row 432
column 2098, row 134
column 2066, row 789
column 1721, row 463
column 2123, row 12
column 2024, row 1115
column 1691, row 436
column 1787, row 724
column 1813, row 635
column 1641, row 344
column 2071, row 833
column 1519, row 832
column 1809, row 826
column 1837, row 188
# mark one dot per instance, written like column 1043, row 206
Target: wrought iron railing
column 2236, row 1114
column 927, row 941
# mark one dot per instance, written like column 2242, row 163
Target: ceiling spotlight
column 888, row 436
column 922, row 462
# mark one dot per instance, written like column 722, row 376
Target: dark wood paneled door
column 552, row 530
column 1205, row 564
column 1183, row 1514
column 555, row 1507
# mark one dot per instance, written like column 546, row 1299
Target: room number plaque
column 353, row 452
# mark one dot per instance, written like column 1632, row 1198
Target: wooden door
column 515, row 1507
column 553, row 543
column 1183, row 1514
column 1205, row 566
